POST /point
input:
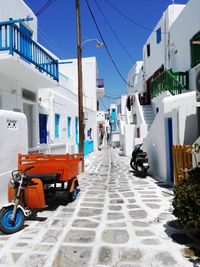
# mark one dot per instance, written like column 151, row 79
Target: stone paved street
column 118, row 220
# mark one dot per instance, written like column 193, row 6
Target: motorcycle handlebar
column 27, row 169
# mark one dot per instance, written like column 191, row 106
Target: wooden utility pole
column 80, row 80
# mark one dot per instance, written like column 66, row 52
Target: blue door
column 170, row 142
column 43, row 128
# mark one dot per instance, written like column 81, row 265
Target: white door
column 28, row 111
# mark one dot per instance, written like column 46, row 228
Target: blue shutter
column 43, row 128
column 25, row 44
column 57, row 126
column 69, row 126
column 76, row 130
column 158, row 35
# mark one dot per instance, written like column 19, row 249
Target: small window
column 158, row 35
column 69, row 126
column 148, row 50
column 57, row 125
column 195, row 50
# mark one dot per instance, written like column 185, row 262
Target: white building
column 60, row 105
column 30, row 82
column 135, row 79
column 24, row 65
column 166, row 108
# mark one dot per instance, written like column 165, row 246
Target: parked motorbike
column 139, row 161
column 12, row 215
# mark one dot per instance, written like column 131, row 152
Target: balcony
column 100, row 88
column 17, row 45
column 174, row 82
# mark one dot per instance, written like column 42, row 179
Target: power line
column 103, row 104
column 130, row 19
column 112, row 30
column 106, row 47
column 44, row 7
column 45, row 37
column 112, row 97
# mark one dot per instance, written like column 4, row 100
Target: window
column 195, row 50
column 158, row 35
column 69, row 126
column 148, row 50
column 57, row 125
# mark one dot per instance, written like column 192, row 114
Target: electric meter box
column 13, row 140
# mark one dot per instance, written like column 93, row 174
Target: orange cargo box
column 64, row 165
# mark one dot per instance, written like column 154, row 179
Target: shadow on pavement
column 188, row 236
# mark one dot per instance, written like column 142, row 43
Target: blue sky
column 57, row 32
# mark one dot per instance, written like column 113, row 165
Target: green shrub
column 186, row 202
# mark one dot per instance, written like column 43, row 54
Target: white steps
column 148, row 115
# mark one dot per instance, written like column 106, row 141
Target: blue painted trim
column 170, row 139
column 11, row 21
column 65, row 62
column 28, row 49
column 88, row 147
column 11, row 39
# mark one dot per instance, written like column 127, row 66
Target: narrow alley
column 118, row 220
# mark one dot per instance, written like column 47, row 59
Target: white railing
column 48, row 149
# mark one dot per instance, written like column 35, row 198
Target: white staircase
column 148, row 115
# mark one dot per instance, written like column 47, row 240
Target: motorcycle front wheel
column 8, row 227
column 73, row 194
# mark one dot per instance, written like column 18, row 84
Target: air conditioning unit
column 198, row 84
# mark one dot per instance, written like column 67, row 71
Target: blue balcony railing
column 15, row 41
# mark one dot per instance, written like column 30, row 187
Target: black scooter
column 139, row 161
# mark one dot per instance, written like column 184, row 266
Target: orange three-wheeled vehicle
column 36, row 177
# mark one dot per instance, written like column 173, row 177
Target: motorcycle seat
column 142, row 154
column 44, row 177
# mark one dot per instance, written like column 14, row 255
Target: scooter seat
column 44, row 177
column 142, row 154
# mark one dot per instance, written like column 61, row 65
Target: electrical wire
column 112, row 97
column 103, row 104
column 44, row 7
column 44, row 36
column 112, row 30
column 106, row 47
column 131, row 20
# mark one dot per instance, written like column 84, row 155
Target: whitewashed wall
column 181, row 109
column 135, row 78
column 63, row 102
column 17, row 9
column 159, row 52
column 180, row 36
column 11, row 99
column 13, row 140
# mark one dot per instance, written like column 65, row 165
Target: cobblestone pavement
column 118, row 220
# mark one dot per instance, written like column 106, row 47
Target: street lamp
column 98, row 43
